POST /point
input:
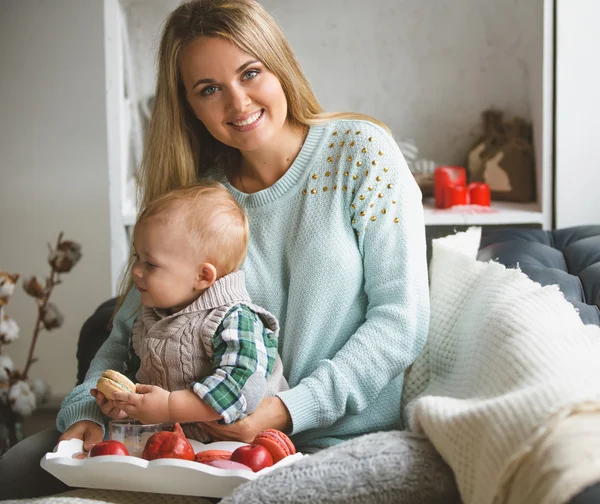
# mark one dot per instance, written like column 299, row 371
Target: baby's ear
column 207, row 275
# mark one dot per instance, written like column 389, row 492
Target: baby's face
column 165, row 267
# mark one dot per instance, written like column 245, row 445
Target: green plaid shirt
column 242, row 346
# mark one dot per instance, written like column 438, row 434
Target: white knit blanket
column 505, row 360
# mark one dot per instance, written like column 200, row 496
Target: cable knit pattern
column 505, row 362
column 175, row 349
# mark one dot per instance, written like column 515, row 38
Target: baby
column 205, row 351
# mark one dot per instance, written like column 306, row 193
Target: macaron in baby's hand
column 112, row 381
column 278, row 444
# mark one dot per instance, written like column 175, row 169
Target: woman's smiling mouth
column 250, row 122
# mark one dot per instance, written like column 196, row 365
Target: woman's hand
column 108, row 407
column 270, row 414
column 86, row 430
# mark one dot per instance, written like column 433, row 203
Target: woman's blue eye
column 250, row 74
column 210, row 90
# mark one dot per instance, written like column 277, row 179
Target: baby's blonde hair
column 214, row 222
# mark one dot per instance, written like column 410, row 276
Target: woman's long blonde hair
column 178, row 148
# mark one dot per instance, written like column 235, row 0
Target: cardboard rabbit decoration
column 504, row 159
column 493, row 136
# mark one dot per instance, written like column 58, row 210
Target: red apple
column 110, row 447
column 256, row 457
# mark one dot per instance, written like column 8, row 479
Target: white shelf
column 498, row 213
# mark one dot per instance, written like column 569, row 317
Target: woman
column 337, row 244
column 337, row 247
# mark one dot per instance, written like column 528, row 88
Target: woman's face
column 237, row 99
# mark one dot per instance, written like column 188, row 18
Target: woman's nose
column 238, row 99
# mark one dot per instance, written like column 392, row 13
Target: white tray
column 168, row 476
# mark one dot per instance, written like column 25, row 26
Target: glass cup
column 132, row 434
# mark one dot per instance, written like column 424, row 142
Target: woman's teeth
column 250, row 119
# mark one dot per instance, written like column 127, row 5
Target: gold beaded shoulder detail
column 347, row 155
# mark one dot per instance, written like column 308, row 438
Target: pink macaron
column 278, row 444
column 207, row 456
column 228, row 464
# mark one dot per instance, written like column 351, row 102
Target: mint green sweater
column 337, row 253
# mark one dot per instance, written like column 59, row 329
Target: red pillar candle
column 455, row 195
column 444, row 177
column 479, row 194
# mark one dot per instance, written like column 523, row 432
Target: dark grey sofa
column 568, row 257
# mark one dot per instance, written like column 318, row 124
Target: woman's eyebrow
column 240, row 69
column 248, row 63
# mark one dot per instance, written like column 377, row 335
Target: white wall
column 53, row 166
column 577, row 113
column 426, row 68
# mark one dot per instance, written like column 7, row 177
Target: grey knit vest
column 175, row 349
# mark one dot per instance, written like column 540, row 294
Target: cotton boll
column 40, row 389
column 6, row 366
column 9, row 330
column 35, row 287
column 22, row 398
column 52, row 317
column 7, row 286
column 66, row 255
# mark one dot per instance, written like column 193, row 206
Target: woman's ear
column 207, row 275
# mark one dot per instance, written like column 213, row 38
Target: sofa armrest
column 569, row 258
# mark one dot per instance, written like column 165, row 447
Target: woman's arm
column 79, row 404
column 270, row 414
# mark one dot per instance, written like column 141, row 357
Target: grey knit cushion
column 384, row 467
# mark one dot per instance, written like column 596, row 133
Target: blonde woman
column 337, row 242
column 337, row 239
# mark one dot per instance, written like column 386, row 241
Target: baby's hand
column 149, row 405
column 107, row 407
